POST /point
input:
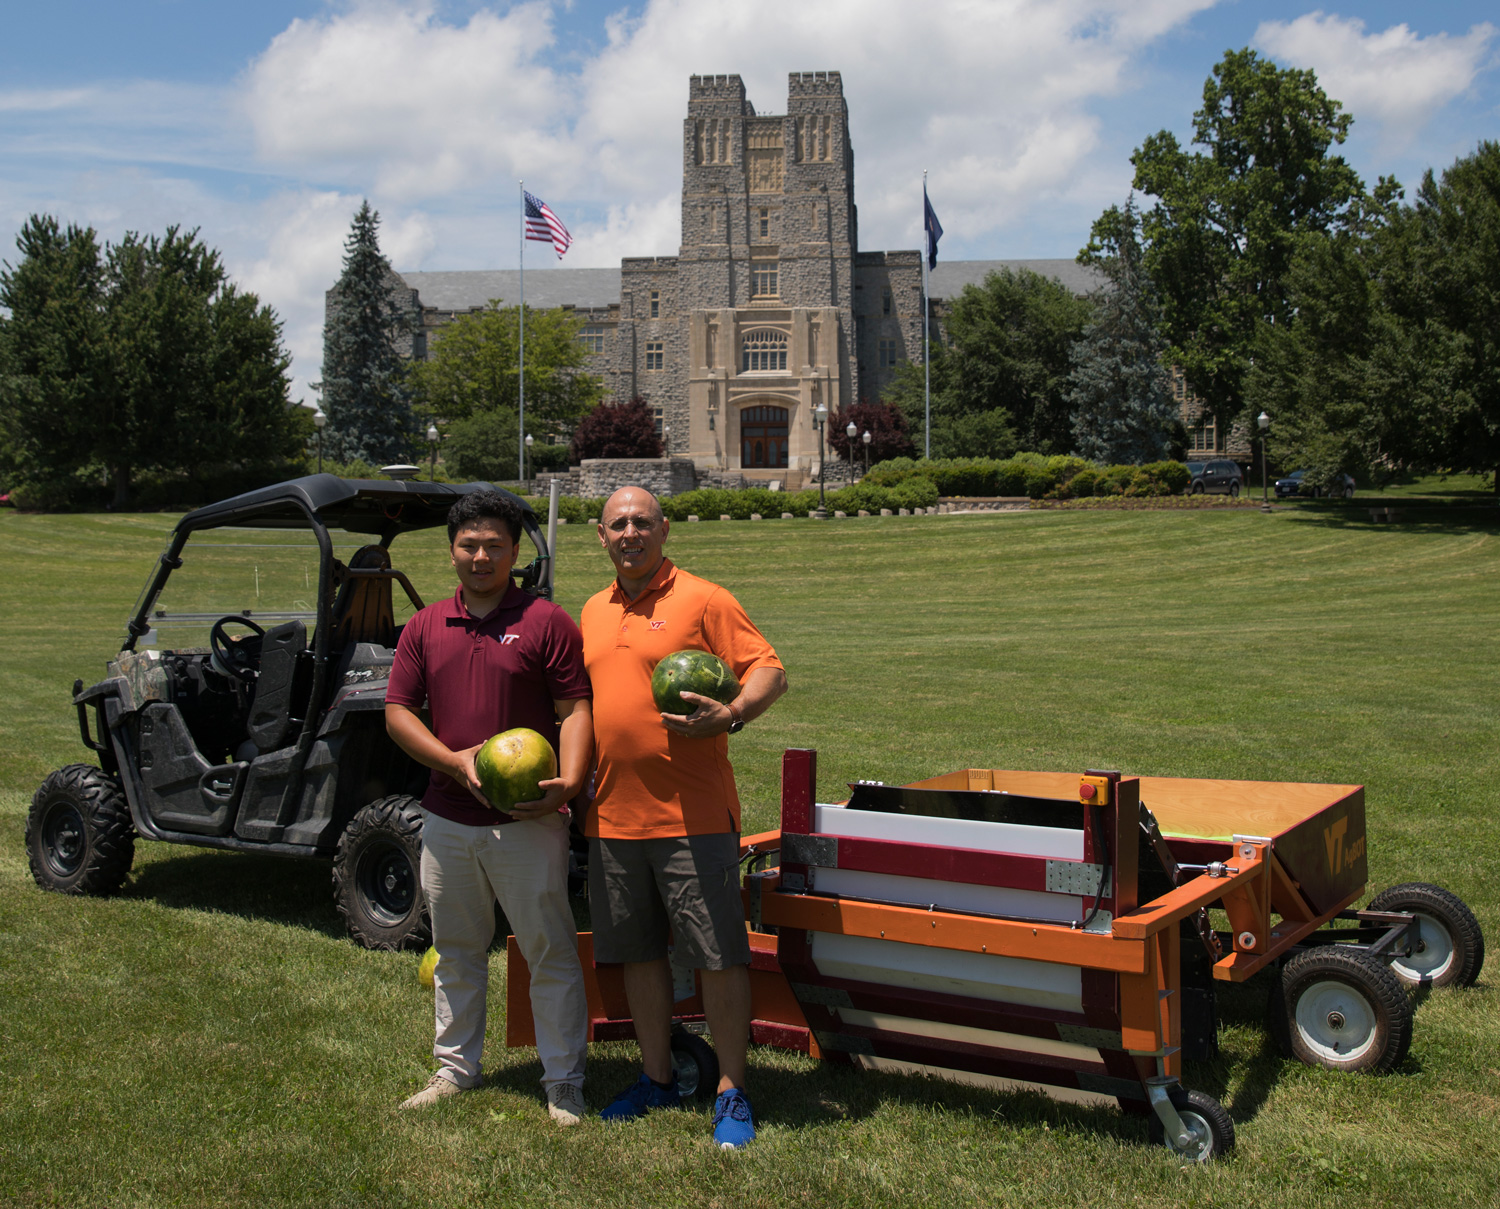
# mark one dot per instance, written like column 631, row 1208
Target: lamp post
column 820, row 421
column 866, row 440
column 528, row 472
column 319, row 420
column 666, row 439
column 851, row 430
column 432, row 442
column 1264, row 423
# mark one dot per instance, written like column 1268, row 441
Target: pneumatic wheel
column 79, row 836
column 695, row 1064
column 377, row 882
column 1448, row 949
column 1213, row 1131
column 1234, row 491
column 1340, row 1009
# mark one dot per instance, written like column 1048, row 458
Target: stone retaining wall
column 660, row 476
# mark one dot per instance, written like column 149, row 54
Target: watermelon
column 511, row 766
column 694, row 672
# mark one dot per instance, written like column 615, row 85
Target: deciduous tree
column 617, row 430
column 886, row 425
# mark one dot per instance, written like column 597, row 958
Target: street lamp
column 432, row 440
column 866, row 440
column 820, row 421
column 319, row 420
column 527, row 471
column 851, row 430
column 1264, row 421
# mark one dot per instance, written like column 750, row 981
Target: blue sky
column 264, row 124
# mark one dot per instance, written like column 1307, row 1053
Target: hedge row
column 1033, row 475
column 710, row 503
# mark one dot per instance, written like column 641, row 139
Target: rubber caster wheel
column 695, row 1064
column 1449, row 948
column 1213, row 1131
column 1341, row 1010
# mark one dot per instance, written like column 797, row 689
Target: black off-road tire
column 1206, row 1117
column 1450, row 948
column 1342, row 1010
column 377, row 882
column 79, row 835
column 696, row 1066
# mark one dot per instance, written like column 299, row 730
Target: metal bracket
column 1159, row 845
column 1102, row 922
column 806, row 992
column 754, row 883
column 1077, row 877
column 819, row 850
column 794, row 882
column 1158, row 1091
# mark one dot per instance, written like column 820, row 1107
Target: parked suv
column 1221, row 476
column 222, row 723
column 1296, row 484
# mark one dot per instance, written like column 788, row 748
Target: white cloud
column 1393, row 78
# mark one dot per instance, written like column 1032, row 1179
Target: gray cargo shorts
column 639, row 889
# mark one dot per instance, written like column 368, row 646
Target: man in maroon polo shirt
column 489, row 659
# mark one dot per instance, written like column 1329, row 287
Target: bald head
column 633, row 531
column 632, row 499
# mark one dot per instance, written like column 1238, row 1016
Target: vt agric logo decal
column 1340, row 856
column 658, row 625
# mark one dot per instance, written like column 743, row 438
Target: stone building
column 769, row 307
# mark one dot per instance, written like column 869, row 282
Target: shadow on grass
column 830, row 1093
column 276, row 889
column 1425, row 518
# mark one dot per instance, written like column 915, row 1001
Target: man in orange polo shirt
column 664, row 830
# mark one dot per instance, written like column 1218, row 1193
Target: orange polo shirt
column 651, row 782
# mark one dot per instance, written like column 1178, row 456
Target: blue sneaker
column 641, row 1097
column 733, row 1125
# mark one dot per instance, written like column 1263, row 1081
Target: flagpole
column 521, row 410
column 926, row 348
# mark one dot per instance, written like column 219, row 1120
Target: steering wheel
column 237, row 658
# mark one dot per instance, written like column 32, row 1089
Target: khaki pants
column 524, row 866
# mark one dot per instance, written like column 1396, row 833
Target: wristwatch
column 736, row 723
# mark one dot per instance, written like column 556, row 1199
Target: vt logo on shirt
column 658, row 625
column 510, row 638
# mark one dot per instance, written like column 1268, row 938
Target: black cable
column 1098, row 827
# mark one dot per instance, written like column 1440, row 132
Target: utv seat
column 362, row 611
column 272, row 707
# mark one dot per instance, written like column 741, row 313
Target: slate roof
column 464, row 288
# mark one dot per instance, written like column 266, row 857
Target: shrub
column 1039, row 482
column 1082, row 483
column 617, row 430
column 1174, row 476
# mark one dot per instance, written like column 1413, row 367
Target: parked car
column 1295, row 484
column 1219, row 476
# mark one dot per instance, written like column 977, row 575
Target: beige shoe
column 437, row 1088
column 565, row 1103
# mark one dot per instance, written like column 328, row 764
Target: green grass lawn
column 210, row 1037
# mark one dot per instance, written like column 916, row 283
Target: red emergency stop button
column 1087, row 792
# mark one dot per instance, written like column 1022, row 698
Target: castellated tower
column 741, row 335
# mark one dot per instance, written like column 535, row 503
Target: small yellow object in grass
column 428, row 967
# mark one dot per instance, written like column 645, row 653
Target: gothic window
column 763, row 279
column 654, row 355
column 763, row 437
column 656, row 420
column 890, row 355
column 656, row 304
column 592, row 338
column 885, row 302
column 765, row 224
column 1203, row 437
column 764, row 352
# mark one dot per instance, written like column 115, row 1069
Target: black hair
column 485, row 506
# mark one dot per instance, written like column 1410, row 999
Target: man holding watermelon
column 493, row 658
column 664, row 828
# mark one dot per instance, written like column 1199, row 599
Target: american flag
column 544, row 225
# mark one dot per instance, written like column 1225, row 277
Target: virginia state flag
column 933, row 227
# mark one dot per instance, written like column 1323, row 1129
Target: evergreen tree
column 1119, row 387
column 364, row 387
column 144, row 358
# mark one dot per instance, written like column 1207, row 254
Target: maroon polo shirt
column 480, row 676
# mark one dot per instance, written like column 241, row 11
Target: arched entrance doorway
column 763, row 437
